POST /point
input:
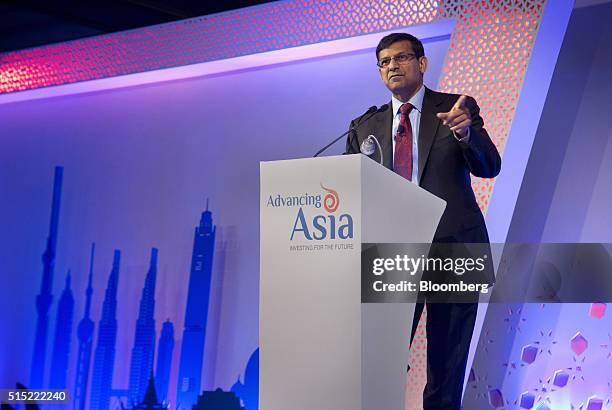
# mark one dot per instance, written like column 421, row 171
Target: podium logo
column 331, row 201
column 319, row 227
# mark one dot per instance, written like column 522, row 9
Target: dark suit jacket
column 445, row 164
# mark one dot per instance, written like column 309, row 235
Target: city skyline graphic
column 93, row 341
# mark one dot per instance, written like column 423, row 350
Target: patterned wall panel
column 487, row 58
column 246, row 31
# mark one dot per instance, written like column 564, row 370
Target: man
column 435, row 140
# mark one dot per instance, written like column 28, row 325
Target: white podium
column 320, row 347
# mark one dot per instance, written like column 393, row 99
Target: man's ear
column 423, row 64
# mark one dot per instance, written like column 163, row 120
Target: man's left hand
column 458, row 118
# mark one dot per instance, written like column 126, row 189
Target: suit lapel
column 428, row 127
column 382, row 131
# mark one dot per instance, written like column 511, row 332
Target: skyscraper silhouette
column 226, row 255
column 63, row 334
column 196, row 314
column 45, row 298
column 164, row 360
column 150, row 401
column 85, row 335
column 104, row 358
column 141, row 366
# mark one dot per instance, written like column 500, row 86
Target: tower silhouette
column 150, row 401
column 196, row 313
column 226, row 252
column 85, row 335
column 104, row 358
column 63, row 334
column 164, row 360
column 45, row 298
column 143, row 351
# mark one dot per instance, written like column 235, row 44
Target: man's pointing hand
column 458, row 118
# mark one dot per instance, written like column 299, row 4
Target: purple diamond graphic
column 527, row 400
column 597, row 310
column 560, row 378
column 496, row 400
column 594, row 403
column 529, row 353
column 578, row 343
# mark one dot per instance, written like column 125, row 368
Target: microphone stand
column 371, row 111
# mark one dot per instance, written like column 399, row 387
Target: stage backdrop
column 141, row 167
column 162, row 177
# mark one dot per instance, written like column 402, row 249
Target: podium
column 320, row 347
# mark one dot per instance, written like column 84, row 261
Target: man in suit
column 435, row 140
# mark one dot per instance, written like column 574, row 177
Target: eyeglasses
column 400, row 59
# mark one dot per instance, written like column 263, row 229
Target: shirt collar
column 416, row 101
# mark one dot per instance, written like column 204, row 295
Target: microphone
column 367, row 147
column 370, row 110
column 364, row 117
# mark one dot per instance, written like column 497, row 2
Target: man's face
column 402, row 78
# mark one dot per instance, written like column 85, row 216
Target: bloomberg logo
column 321, row 225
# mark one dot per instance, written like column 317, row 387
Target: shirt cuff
column 463, row 140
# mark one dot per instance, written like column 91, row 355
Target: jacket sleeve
column 481, row 155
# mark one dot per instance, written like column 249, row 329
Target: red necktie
column 402, row 157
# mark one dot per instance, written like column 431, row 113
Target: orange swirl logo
column 331, row 201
